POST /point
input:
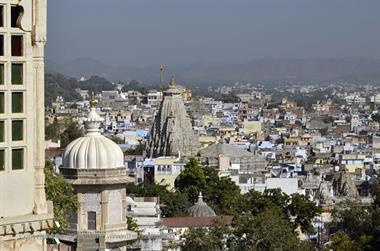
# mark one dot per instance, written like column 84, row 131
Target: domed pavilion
column 94, row 165
column 201, row 209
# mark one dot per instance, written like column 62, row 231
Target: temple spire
column 172, row 131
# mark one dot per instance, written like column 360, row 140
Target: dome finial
column 200, row 208
column 200, row 198
column 93, row 119
column 172, row 83
column 93, row 101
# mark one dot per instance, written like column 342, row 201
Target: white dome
column 93, row 151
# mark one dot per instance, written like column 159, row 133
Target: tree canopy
column 62, row 195
column 71, row 132
column 262, row 221
column 356, row 226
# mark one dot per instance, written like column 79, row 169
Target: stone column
column 80, row 214
column 123, row 205
column 104, row 219
column 39, row 39
column 104, row 210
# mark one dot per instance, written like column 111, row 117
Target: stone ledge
column 110, row 236
column 29, row 226
column 27, row 223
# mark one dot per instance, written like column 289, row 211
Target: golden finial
column 93, row 101
column 172, row 82
column 161, row 77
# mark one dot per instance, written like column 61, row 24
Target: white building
column 145, row 212
column 154, row 98
column 24, row 212
column 94, row 165
column 354, row 99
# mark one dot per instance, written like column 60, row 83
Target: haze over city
column 143, row 33
column 192, row 125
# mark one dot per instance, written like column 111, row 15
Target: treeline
column 262, row 221
column 60, row 85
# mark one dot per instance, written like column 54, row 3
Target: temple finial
column 161, row 77
column 93, row 101
column 172, row 83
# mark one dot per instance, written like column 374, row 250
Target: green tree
column 304, row 210
column 132, row 225
column 220, row 193
column 171, row 203
column 62, row 195
column 375, row 191
column 268, row 230
column 138, row 150
column 197, row 239
column 213, row 239
column 297, row 206
column 328, row 120
column 192, row 179
column 116, row 139
column 71, row 132
column 351, row 218
column 52, row 131
column 376, row 117
column 360, row 223
column 343, row 242
column 230, row 98
column 175, row 205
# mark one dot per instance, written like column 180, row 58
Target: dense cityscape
column 114, row 160
column 309, row 150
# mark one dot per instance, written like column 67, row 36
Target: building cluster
column 328, row 151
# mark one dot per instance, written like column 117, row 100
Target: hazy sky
column 146, row 32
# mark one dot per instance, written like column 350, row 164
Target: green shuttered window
column 1, row 102
column 2, row 160
column 17, row 102
column 17, row 74
column 17, row 130
column 17, row 159
column 1, row 74
column 1, row 131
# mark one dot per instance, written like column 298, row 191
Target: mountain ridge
column 309, row 69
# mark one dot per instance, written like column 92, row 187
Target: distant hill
column 314, row 69
column 60, row 85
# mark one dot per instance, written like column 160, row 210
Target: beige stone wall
column 17, row 185
column 23, row 209
column 26, row 244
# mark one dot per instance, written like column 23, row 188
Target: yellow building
column 291, row 141
column 252, row 127
column 206, row 140
column 166, row 170
column 210, row 120
column 352, row 162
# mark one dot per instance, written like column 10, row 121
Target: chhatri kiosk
column 94, row 165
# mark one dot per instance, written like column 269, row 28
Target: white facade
column 24, row 211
